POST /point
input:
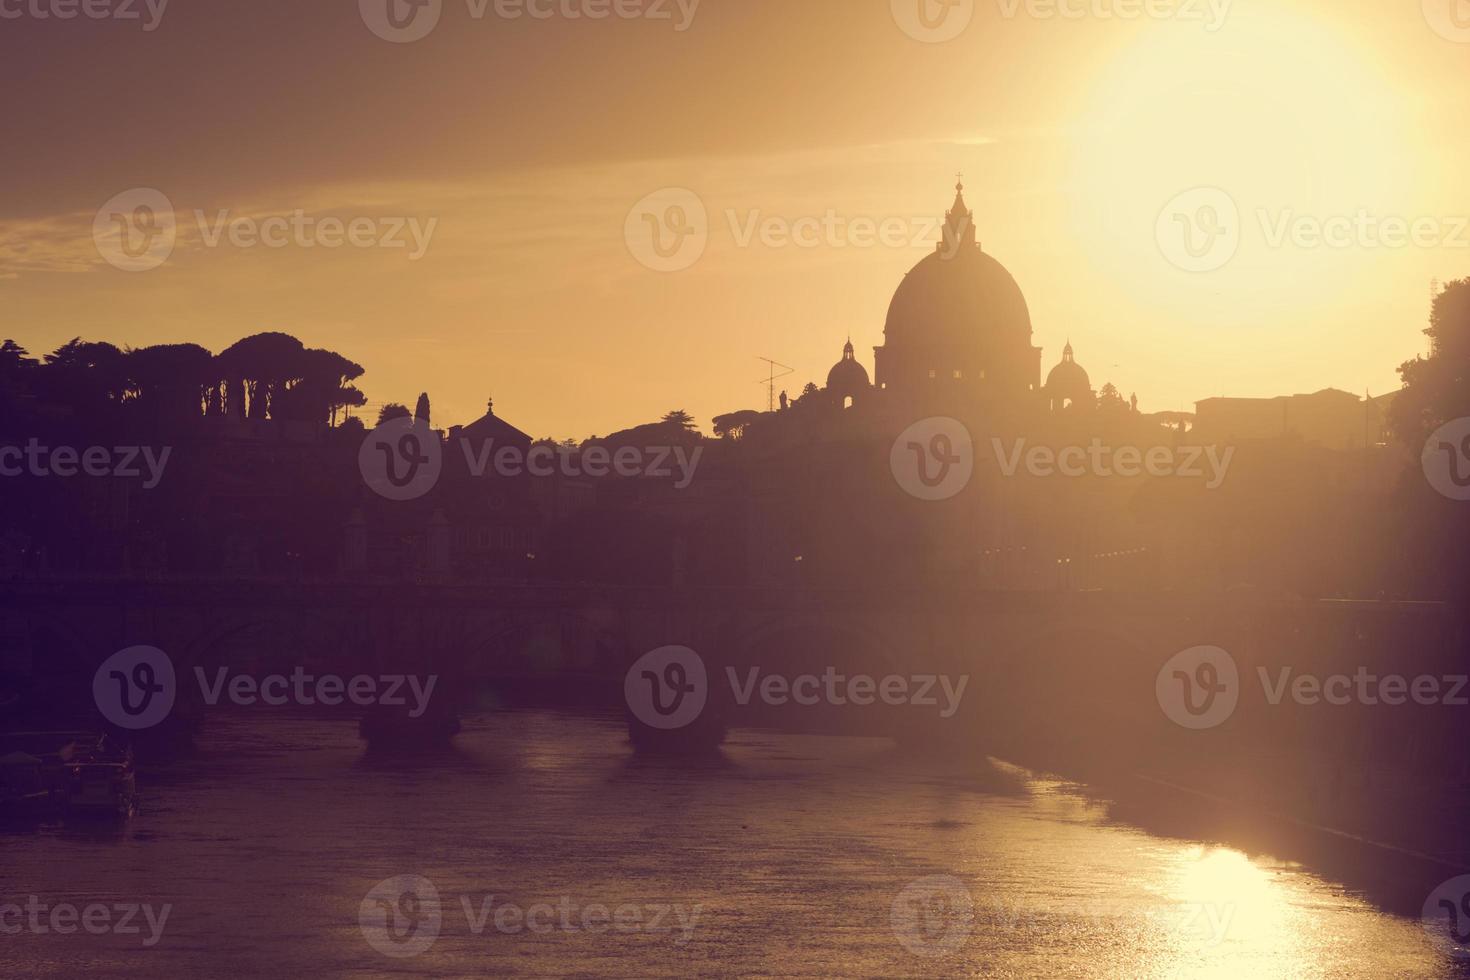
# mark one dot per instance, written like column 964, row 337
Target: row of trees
column 268, row 375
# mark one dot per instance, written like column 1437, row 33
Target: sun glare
column 1281, row 113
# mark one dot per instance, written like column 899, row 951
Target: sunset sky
column 529, row 141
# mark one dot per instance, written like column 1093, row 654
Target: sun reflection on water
column 1230, row 906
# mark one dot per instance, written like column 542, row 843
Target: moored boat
column 74, row 773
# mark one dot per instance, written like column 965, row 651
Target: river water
column 541, row 846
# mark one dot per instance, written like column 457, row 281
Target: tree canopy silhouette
column 17, row 370
column 270, row 375
column 392, row 411
column 170, row 381
column 1437, row 387
column 84, row 379
column 734, row 425
column 318, row 386
column 256, row 369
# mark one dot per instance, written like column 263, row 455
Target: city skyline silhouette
column 681, row 488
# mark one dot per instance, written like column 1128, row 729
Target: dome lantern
column 959, row 224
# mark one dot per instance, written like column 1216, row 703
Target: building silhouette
column 958, row 329
column 264, row 482
column 1330, row 418
column 958, row 340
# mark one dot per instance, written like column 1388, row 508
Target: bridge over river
column 1075, row 682
column 1068, row 666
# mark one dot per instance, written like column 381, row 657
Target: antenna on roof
column 772, row 378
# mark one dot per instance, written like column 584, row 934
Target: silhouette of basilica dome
column 959, row 321
column 967, row 298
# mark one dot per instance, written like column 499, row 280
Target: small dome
column 847, row 374
column 848, row 378
column 1068, row 376
column 1068, row 381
